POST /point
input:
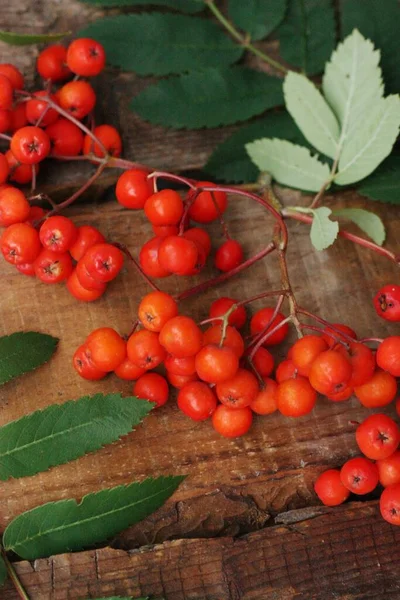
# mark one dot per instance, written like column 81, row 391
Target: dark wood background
column 246, row 523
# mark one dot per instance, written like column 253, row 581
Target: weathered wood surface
column 233, row 487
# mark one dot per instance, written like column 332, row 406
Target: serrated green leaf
column 288, row 163
column 61, row 433
column 377, row 20
column 231, row 162
column 370, row 223
column 323, row 231
column 187, row 6
column 384, row 183
column 25, row 39
column 3, row 571
column 307, row 34
column 311, row 113
column 163, row 43
column 67, row 526
column 258, row 18
column 209, row 98
column 24, row 351
column 371, row 143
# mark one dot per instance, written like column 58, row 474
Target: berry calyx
column 387, row 302
column 156, row 309
column 359, row 475
column 378, row 436
column 30, row 145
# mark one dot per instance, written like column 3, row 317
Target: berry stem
column 326, row 324
column 14, row 577
column 121, row 163
column 125, row 250
column 261, row 334
column 171, row 177
column 185, row 216
column 4, row 136
column 270, row 332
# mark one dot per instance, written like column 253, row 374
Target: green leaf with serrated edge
column 67, row 526
column 370, row 223
column 61, row 433
column 377, row 20
column 323, row 231
column 307, row 34
column 209, row 98
column 371, row 143
column 163, row 43
column 258, row 18
column 311, row 113
column 3, row 571
column 24, row 351
column 288, row 163
column 25, row 39
column 384, row 184
column 230, row 161
column 187, row 6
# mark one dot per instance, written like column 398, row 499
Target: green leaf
column 231, row 162
column 370, row 223
column 384, row 183
column 258, row 18
column 307, row 35
column 3, row 571
column 25, row 39
column 371, row 143
column 24, row 351
column 209, row 98
column 323, row 231
column 377, row 20
column 61, row 433
column 312, row 114
column 67, row 526
column 288, row 163
column 188, row 6
column 162, row 43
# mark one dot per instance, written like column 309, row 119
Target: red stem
column 340, row 333
column 125, row 250
column 266, row 333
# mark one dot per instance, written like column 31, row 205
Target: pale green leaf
column 377, row 20
column 162, row 43
column 288, row 163
column 67, row 526
column 61, row 433
column 384, row 183
column 258, row 18
column 311, row 113
column 3, row 571
column 372, row 142
column 22, row 352
column 370, row 223
column 209, row 98
column 187, row 6
column 26, row 39
column 323, row 231
column 307, row 34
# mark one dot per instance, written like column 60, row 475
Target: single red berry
column 296, row 397
column 87, row 236
column 330, row 372
column 238, row 391
column 103, row 262
column 388, row 355
column 86, row 280
column 378, row 436
column 58, row 233
column 342, row 395
column 164, row 208
column 5, row 120
column 84, row 365
column 20, row 244
column 156, row 309
column 228, row 256
column 208, row 206
column 51, row 63
column 66, row 138
column 390, row 504
column 359, row 475
column 14, row 207
column 330, row 489
column 36, row 214
column 197, row 401
column 152, row 387
column 4, row 168
column 108, row 136
column 380, row 390
column 215, row 364
column 77, row 98
column 286, row 370
column 86, row 57
column 53, row 267
column 27, row 269
column 261, row 322
column 362, row 361
column 107, row 348
column 181, row 337
column 163, row 231
column 332, row 339
column 128, row 371
column 180, row 366
column 387, row 302
column 81, row 293
column 38, row 108
column 304, row 352
column 148, row 258
column 263, row 362
column 266, row 401
column 18, row 117
column 200, row 236
column 232, row 422
column 30, row 145
column 6, row 93
column 389, row 469
column 13, row 74
column 219, row 307
column 144, row 349
column 179, row 381
column 18, row 172
column 178, row 255
column 133, row 188
column 232, row 339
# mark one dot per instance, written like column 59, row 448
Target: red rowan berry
column 51, row 63
column 342, row 395
column 19, row 173
column 108, row 136
column 80, row 292
column 389, row 469
column 388, row 355
column 390, row 504
column 13, row 74
column 53, row 267
column 359, row 475
column 30, row 145
column 38, row 108
column 20, row 244
column 27, row 269
column 133, row 188
column 330, row 372
column 156, row 309
column 332, row 341
column 387, row 302
column 233, row 339
column 163, row 231
column 305, row 350
column 66, row 138
column 5, row 120
column 228, row 256
column 200, row 236
column 285, row 370
column 180, row 366
column 6, row 93
column 85, row 278
column 36, row 213
column 18, row 117
column 181, row 337
column 208, row 206
column 4, row 169
column 197, row 400
column 179, row 381
column 86, row 57
column 263, row 362
column 152, row 387
column 362, row 361
column 103, row 262
column 380, row 390
column 178, row 255
column 260, row 321
column 295, row 397
column 77, row 98
column 84, row 365
column 58, row 234
column 14, row 207
column 330, row 489
column 107, row 348
column 128, row 371
column 266, row 401
column 215, row 364
column 232, row 422
column 238, row 391
column 87, row 236
column 164, row 208
column 219, row 307
column 144, row 349
column 377, row 436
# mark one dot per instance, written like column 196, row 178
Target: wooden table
column 246, row 523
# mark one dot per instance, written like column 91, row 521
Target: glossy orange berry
column 144, row 349
column 388, row 355
column 263, row 362
column 86, row 237
column 58, row 233
column 178, row 255
column 107, row 348
column 228, row 256
column 80, row 292
column 51, row 63
column 266, row 401
column 238, row 391
column 103, row 262
column 359, row 475
column 18, row 172
column 378, row 436
column 84, row 366
column 14, row 207
column 332, row 339
column 13, row 74
column 152, row 387
column 108, row 136
column 389, row 504
column 330, row 489
column 180, row 366
column 260, row 321
column 296, row 397
column 197, row 400
column 38, row 108
column 362, row 362
column 330, row 372
column 52, row 267
column 181, row 337
column 208, row 206
column 156, row 309
column 200, row 236
column 133, row 188
column 77, row 98
column 86, row 57
column 66, row 138
column 18, row 117
column 220, row 307
column 164, row 208
column 304, row 352
column 389, row 469
column 149, row 258
column 232, row 422
column 6, row 93
column 30, row 145
column 380, row 390
column 128, row 371
column 20, row 244
column 233, row 339
column 286, row 370
column 179, row 381
column 215, row 364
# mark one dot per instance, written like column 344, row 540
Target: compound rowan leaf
column 22, row 352
column 3, row 571
column 312, row 114
column 307, row 34
column 323, row 231
column 67, row 526
column 25, row 39
column 61, row 433
column 163, row 43
column 384, row 183
column 288, row 163
column 370, row 223
column 209, row 98
column 187, row 6
column 258, row 18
